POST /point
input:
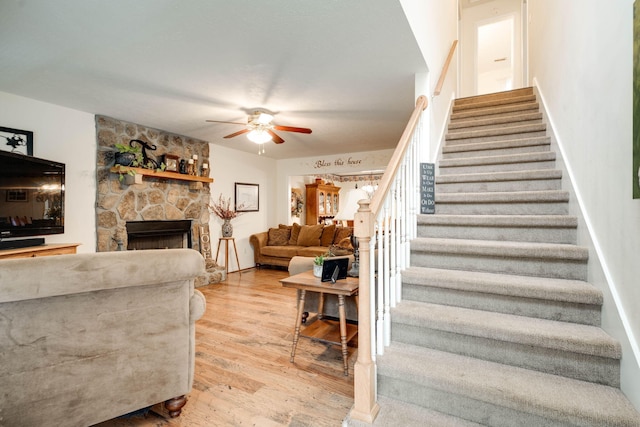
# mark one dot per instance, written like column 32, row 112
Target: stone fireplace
column 157, row 200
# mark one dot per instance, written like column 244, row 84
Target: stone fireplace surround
column 154, row 199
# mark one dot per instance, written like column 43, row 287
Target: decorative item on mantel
column 171, row 162
column 196, row 170
column 224, row 210
column 134, row 155
column 205, row 170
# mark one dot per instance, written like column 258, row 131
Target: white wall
column 229, row 166
column 67, row 136
column 435, row 25
column 580, row 56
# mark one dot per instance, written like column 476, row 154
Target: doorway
column 492, row 46
column 495, row 55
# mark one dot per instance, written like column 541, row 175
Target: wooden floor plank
column 243, row 376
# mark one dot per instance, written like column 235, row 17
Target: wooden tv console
column 42, row 250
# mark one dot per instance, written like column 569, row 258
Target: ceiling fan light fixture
column 264, row 119
column 259, row 136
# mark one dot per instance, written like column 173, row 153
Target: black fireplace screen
column 158, row 234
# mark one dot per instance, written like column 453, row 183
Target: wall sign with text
column 427, row 188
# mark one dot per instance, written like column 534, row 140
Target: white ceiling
column 344, row 68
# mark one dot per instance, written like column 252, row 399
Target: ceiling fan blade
column 292, row 129
column 240, row 132
column 221, row 121
column 275, row 137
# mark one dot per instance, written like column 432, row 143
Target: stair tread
column 496, row 95
column 543, row 196
column 496, row 145
column 514, row 117
column 551, row 221
column 481, row 103
column 563, row 336
column 574, row 291
column 500, row 159
column 494, row 123
column 499, row 248
column 495, row 111
column 503, row 130
column 546, row 395
column 533, row 174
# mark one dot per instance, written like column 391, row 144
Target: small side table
column 320, row 329
column 226, row 253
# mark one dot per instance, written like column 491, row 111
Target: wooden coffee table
column 320, row 329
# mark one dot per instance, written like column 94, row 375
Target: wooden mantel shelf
column 157, row 174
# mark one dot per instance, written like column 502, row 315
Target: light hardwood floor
column 243, row 376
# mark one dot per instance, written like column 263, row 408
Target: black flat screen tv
column 31, row 196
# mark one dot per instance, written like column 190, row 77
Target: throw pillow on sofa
column 328, row 233
column 343, row 247
column 278, row 237
column 295, row 232
column 341, row 233
column 310, row 235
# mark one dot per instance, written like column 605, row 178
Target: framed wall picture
column 16, row 141
column 247, row 197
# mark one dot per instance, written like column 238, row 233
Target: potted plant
column 223, row 209
column 131, row 156
column 318, row 261
column 128, row 155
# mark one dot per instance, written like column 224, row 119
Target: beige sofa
column 89, row 337
column 278, row 245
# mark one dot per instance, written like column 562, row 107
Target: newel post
column 365, row 407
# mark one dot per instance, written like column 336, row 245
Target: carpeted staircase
column 497, row 325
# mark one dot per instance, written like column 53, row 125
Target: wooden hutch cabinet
column 323, row 202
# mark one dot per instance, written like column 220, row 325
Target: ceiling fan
column 260, row 128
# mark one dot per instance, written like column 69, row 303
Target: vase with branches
column 225, row 210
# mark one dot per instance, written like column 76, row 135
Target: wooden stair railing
column 445, row 69
column 390, row 213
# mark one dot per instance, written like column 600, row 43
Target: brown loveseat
column 278, row 245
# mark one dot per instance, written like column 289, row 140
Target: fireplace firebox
column 158, row 234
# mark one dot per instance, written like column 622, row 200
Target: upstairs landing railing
column 384, row 227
